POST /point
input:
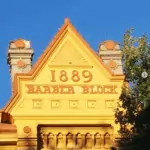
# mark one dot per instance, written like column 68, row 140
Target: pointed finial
column 67, row 20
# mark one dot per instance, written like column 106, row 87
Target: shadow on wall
column 39, row 139
column 28, row 144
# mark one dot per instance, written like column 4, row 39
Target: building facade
column 66, row 100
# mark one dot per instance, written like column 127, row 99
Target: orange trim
column 109, row 44
column 42, row 59
column 19, row 43
column 7, row 128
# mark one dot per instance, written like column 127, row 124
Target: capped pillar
column 19, row 57
column 110, row 53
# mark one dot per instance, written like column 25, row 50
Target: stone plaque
column 73, row 103
column 37, row 103
column 109, row 104
column 91, row 103
column 55, row 103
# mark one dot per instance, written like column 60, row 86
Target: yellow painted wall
column 69, row 54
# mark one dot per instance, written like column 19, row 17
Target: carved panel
column 73, row 103
column 91, row 103
column 37, row 103
column 109, row 104
column 55, row 103
column 93, row 140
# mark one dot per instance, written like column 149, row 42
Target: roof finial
column 67, row 20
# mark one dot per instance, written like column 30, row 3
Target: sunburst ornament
column 21, row 64
column 112, row 64
column 19, row 43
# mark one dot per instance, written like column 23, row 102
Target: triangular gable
column 49, row 50
column 74, row 58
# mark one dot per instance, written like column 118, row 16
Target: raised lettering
column 75, row 76
column 107, row 89
column 71, row 90
column 53, row 75
column 31, row 89
column 113, row 89
column 85, row 90
column 38, row 89
column 87, row 75
column 63, row 76
column 92, row 90
column 100, row 89
column 46, row 89
column 68, row 89
column 55, row 89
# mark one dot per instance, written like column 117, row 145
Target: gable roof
column 41, row 61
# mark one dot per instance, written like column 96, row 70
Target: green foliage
column 142, row 126
column 136, row 59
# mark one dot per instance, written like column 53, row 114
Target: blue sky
column 39, row 20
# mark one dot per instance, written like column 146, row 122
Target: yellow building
column 67, row 99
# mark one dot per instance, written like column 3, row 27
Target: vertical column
column 83, row 141
column 74, row 141
column 45, row 140
column 70, row 140
column 107, row 140
column 65, row 140
column 79, row 139
column 92, row 140
column 19, row 57
column 51, row 141
column 55, row 141
column 89, row 141
column 98, row 141
column 61, row 141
